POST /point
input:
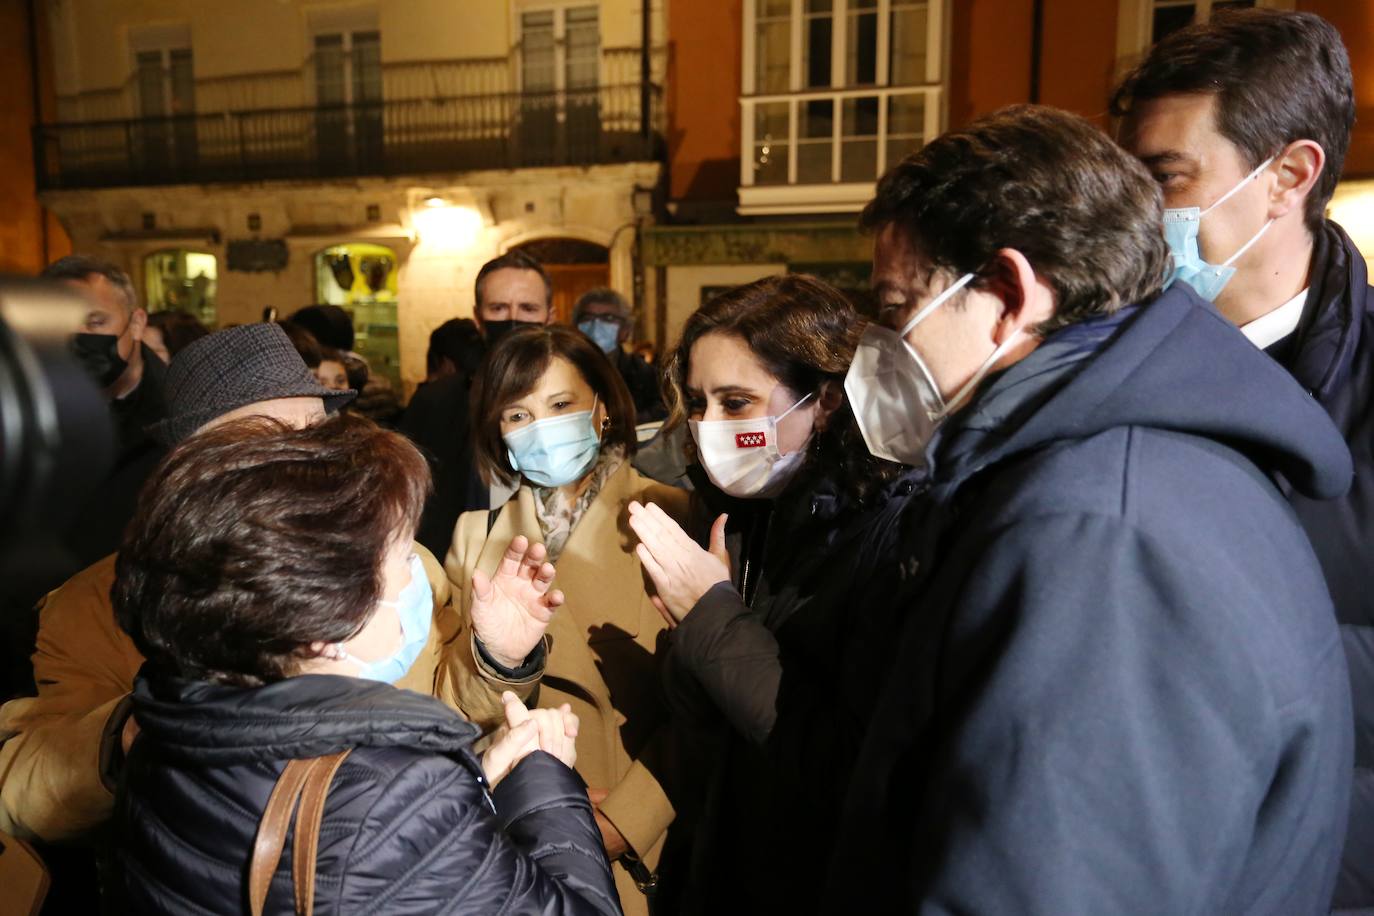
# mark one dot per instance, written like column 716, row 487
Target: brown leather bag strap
column 271, row 838
column 310, row 777
column 307, row 839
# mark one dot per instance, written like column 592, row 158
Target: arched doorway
column 362, row 278
column 574, row 266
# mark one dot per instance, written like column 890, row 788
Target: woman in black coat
column 269, row 581
column 776, row 641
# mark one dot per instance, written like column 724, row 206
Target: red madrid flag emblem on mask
column 750, row 440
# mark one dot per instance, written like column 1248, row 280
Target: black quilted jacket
column 409, row 826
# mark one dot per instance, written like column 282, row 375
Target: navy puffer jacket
column 408, row 826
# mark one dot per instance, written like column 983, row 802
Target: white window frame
column 161, row 40
column 834, row 196
column 559, row 8
column 346, row 23
column 1135, row 26
column 347, row 51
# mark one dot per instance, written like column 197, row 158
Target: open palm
column 512, row 609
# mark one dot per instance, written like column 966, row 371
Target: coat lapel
column 614, row 594
column 599, row 565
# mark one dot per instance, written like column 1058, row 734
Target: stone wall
column 595, row 203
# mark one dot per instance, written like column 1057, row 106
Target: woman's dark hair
column 459, row 341
column 1277, row 77
column 331, row 325
column 804, row 331
column 304, row 342
column 1084, row 212
column 178, row 329
column 254, row 539
column 512, row 370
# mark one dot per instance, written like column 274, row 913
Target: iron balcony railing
column 606, row 124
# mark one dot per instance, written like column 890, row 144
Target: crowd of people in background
column 1045, row 592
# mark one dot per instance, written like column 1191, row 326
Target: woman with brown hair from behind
column 269, row 578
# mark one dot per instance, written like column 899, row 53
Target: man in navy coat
column 1119, row 686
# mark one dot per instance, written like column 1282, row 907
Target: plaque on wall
column 256, row 255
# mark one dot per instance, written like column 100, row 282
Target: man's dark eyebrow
column 1167, row 157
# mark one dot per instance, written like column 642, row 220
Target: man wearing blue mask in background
column 1247, row 118
column 604, row 316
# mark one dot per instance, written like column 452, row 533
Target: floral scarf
column 558, row 515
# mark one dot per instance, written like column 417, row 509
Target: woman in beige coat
column 551, row 412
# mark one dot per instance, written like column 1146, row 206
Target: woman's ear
column 828, row 400
column 601, row 417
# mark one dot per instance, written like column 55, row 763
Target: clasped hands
column 682, row 572
column 553, row 731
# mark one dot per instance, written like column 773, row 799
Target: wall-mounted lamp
column 449, row 220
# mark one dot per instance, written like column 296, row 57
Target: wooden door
column 572, row 280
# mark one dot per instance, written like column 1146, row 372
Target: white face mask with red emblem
column 742, row 458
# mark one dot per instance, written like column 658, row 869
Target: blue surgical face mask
column 1180, row 231
column 415, row 606
column 603, row 332
column 555, row 451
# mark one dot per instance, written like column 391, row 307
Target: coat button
column 905, row 488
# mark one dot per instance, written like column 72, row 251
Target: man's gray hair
column 602, row 295
column 82, row 267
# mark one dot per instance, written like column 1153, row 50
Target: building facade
column 830, row 92
column 30, row 235
column 266, row 155
column 269, row 154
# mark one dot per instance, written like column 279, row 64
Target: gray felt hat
column 228, row 369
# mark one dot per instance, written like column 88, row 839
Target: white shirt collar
column 1269, row 329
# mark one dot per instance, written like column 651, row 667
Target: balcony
column 428, row 121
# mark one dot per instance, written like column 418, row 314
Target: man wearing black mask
column 110, row 347
column 511, row 290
